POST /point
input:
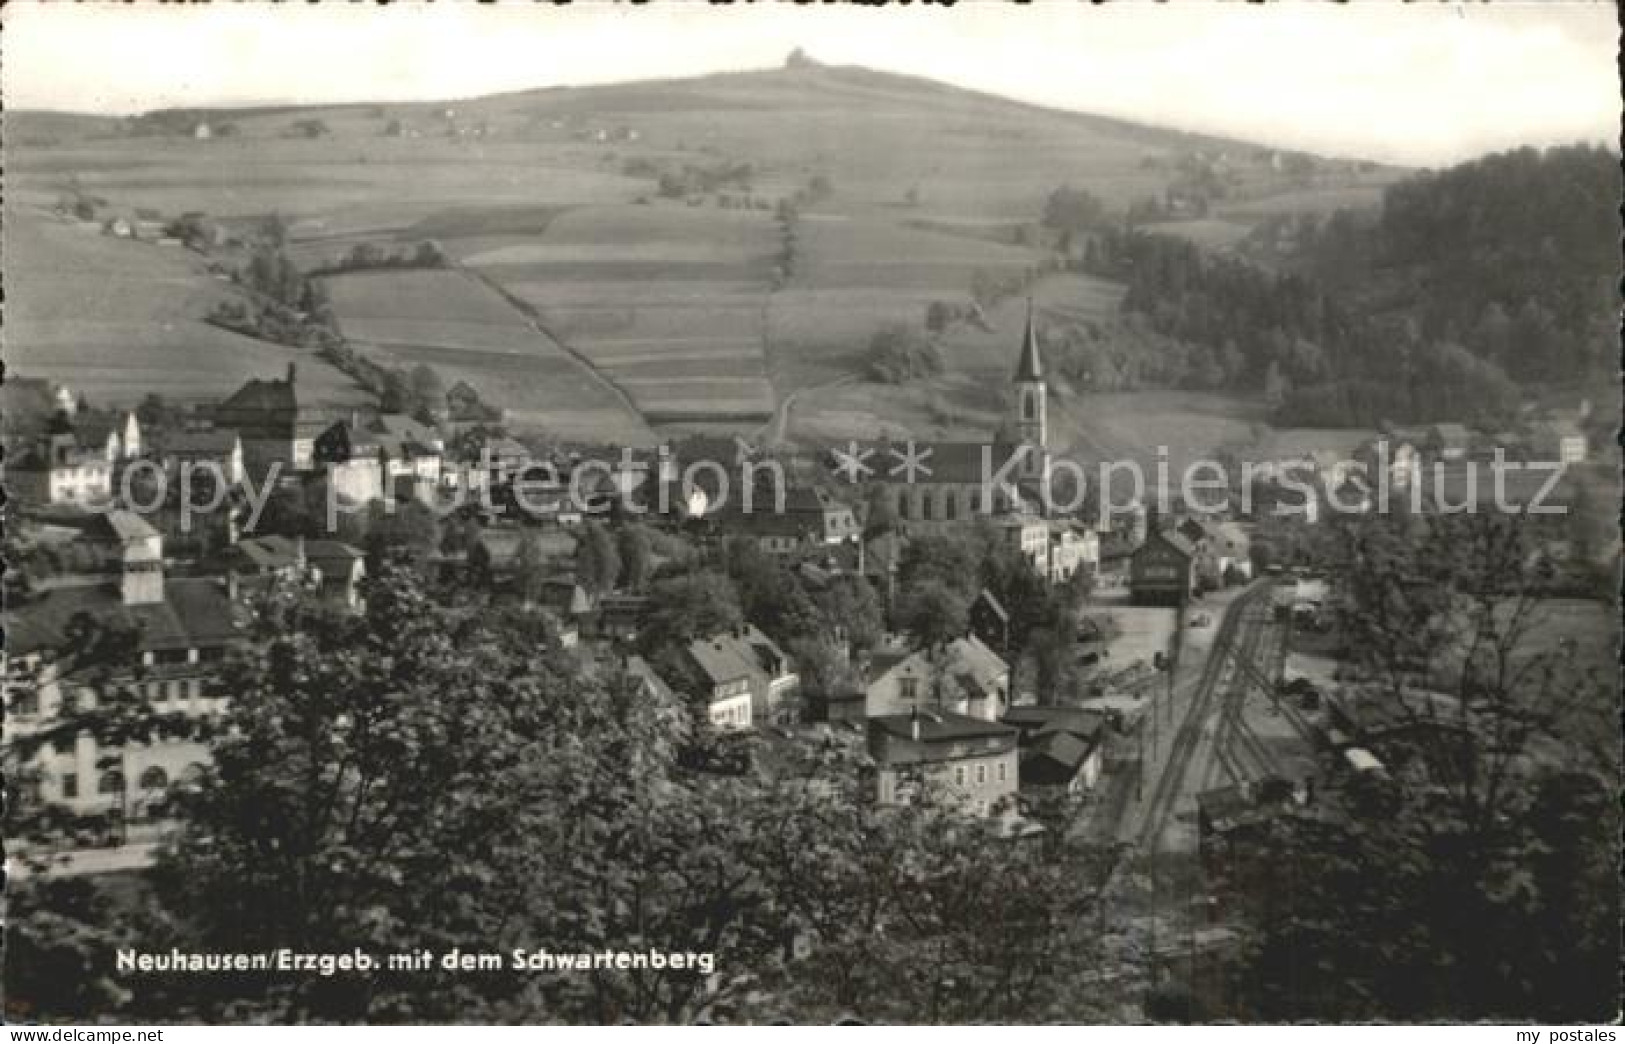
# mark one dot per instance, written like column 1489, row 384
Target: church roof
column 1031, row 365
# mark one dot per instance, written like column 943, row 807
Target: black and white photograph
column 648, row 515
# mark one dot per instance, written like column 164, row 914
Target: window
column 70, row 785
column 909, row 688
column 959, row 775
column 981, row 775
column 925, row 506
column 1001, row 772
column 111, row 783
column 950, row 506
column 154, row 778
column 25, row 702
column 902, row 504
column 1027, row 405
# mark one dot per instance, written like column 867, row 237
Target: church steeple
column 1031, row 365
column 1032, row 392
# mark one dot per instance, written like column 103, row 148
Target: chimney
column 231, row 584
column 299, row 551
column 914, row 724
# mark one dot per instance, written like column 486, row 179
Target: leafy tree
column 635, row 551
column 598, row 563
column 932, row 614
column 689, row 606
column 1435, row 895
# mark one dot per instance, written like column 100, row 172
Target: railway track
column 1165, row 795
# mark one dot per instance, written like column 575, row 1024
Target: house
column 925, row 754
column 808, row 516
column 648, row 681
column 497, row 552
column 1222, row 550
column 1162, row 570
column 277, row 427
column 117, row 432
column 337, row 570
column 774, row 532
column 216, row 452
column 1073, row 548
column 182, row 628
column 725, row 680
column 745, row 654
column 964, row 677
column 483, row 463
column 258, row 563
column 1028, row 537
column 622, row 616
column 389, row 455
column 1389, row 458
column 1060, row 747
column 55, row 468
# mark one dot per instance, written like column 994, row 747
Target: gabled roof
column 653, row 683
column 957, row 463
column 1038, row 722
column 216, row 443
column 741, row 653
column 971, row 664
column 195, row 612
column 985, row 597
column 124, row 527
column 1173, row 539
column 1055, row 757
column 95, row 427
column 332, row 552
column 269, row 552
column 937, row 726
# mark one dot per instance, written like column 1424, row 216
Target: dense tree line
column 1330, row 364
column 1501, row 268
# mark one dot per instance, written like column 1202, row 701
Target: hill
column 707, row 245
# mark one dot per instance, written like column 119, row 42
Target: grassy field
column 117, row 319
column 466, row 331
column 665, row 300
column 552, row 195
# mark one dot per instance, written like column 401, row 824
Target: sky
column 1421, row 84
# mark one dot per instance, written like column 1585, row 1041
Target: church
column 935, row 485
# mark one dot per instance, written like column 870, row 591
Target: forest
column 1467, row 284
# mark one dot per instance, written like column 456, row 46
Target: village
column 1166, row 623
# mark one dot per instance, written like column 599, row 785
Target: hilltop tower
column 1032, row 399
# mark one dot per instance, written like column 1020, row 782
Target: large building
column 936, row 485
column 181, row 630
column 276, row 428
column 1162, row 570
column 965, row 678
column 747, row 678
column 926, row 754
